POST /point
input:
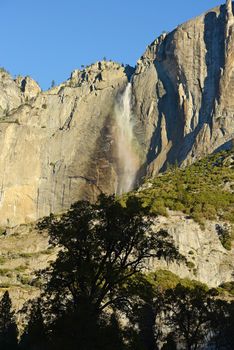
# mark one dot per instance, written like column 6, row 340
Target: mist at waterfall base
column 126, row 143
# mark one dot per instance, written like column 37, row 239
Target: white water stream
column 126, row 143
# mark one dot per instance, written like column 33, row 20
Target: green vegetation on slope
column 198, row 190
column 165, row 279
column 203, row 191
column 227, row 288
column 162, row 280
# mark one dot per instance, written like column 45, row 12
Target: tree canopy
column 102, row 246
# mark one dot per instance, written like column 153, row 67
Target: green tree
column 52, row 83
column 142, row 330
column 190, row 314
column 8, row 327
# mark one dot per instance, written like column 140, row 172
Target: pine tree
column 8, row 327
column 34, row 336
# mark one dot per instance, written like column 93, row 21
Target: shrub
column 225, row 236
column 190, row 264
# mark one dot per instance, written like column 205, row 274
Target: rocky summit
column 110, row 122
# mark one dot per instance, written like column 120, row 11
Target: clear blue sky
column 47, row 39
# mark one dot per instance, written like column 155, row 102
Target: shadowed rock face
column 59, row 146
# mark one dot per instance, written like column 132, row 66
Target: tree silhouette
column 34, row 336
column 170, row 343
column 8, row 327
column 142, row 330
column 101, row 246
column 224, row 324
column 52, row 84
column 190, row 314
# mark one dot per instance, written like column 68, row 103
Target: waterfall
column 126, row 143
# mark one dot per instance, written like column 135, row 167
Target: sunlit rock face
column 10, row 94
column 57, row 146
column 184, row 91
column 108, row 125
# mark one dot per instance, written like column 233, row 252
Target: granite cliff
column 56, row 144
column 61, row 145
column 182, row 89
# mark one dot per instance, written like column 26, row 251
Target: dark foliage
column 224, row 338
column 8, row 328
column 101, row 247
column 197, row 317
column 34, row 336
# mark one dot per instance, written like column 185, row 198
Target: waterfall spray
column 126, row 144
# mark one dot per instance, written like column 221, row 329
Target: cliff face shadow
column 214, row 41
column 168, row 107
column 226, row 146
column 168, row 104
column 214, row 35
